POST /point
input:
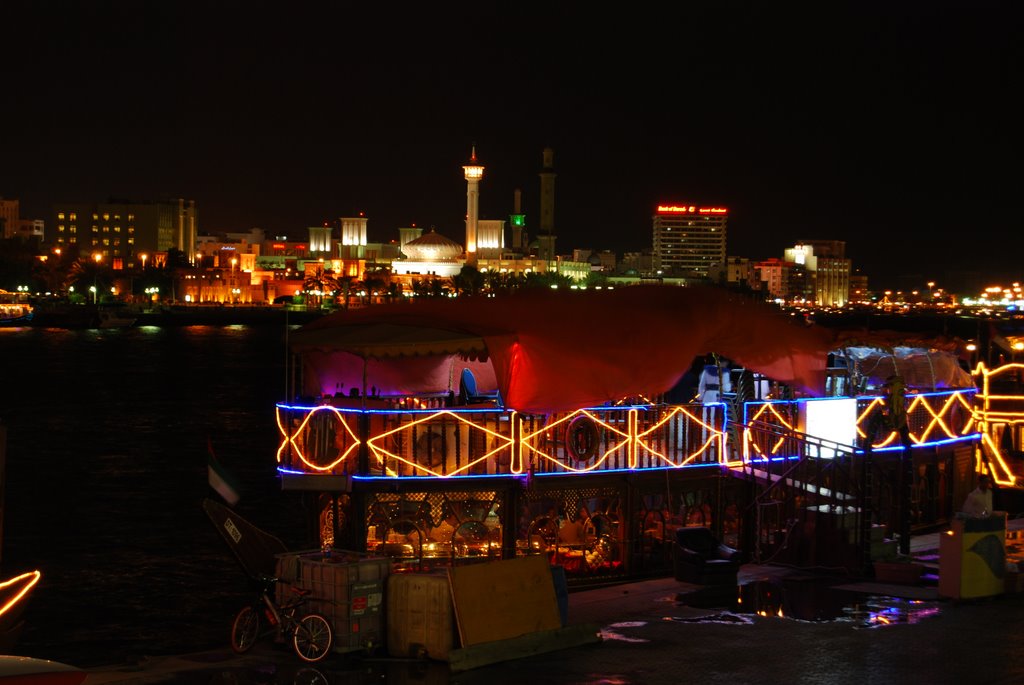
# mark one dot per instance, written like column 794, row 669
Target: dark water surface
column 106, row 471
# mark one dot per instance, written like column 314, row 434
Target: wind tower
column 546, row 238
column 473, row 172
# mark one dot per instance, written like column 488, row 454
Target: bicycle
column 311, row 634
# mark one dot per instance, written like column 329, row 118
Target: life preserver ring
column 582, row 438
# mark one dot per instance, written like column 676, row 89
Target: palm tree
column 469, row 280
column 319, row 282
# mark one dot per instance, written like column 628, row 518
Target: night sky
column 896, row 130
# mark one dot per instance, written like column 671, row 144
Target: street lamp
column 97, row 257
column 143, row 257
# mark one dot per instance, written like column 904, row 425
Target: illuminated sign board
column 690, row 209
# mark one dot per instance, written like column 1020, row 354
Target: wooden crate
column 420, row 616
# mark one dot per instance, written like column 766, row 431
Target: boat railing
column 380, row 438
column 343, row 439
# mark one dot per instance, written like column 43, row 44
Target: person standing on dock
column 979, row 501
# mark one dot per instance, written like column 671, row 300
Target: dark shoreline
column 87, row 316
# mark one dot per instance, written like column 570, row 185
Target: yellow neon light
column 766, row 407
column 525, row 441
column 381, row 453
column 989, row 419
column 34, row 575
column 289, row 439
column 937, row 420
column 714, row 435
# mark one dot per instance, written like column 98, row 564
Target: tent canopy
column 559, row 350
column 382, row 340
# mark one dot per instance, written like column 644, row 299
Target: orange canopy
column 559, row 350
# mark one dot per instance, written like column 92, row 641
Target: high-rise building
column 9, row 217
column 829, row 269
column 688, row 239
column 122, row 230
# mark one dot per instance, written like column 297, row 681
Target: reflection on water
column 811, row 599
column 107, row 436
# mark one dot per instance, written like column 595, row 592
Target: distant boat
column 14, row 309
column 24, row 670
column 14, row 595
column 114, row 316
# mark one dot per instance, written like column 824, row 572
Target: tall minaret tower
column 473, row 172
column 546, row 238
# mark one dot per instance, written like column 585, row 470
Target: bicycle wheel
column 245, row 630
column 313, row 637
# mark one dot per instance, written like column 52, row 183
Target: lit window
column 117, row 229
column 131, row 241
column 74, row 229
column 106, row 229
column 73, row 216
column 106, row 241
column 106, row 217
column 95, row 217
column 60, row 228
column 60, row 215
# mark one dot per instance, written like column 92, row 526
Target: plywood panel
column 504, row 599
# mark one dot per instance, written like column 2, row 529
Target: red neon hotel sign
column 690, row 209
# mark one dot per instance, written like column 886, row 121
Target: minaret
column 518, row 221
column 473, row 173
column 546, row 238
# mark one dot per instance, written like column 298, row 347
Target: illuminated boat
column 537, row 423
column 14, row 595
column 15, row 309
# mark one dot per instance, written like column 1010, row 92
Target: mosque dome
column 432, row 247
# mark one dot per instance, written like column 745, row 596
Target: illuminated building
column 127, row 229
column 828, row 269
column 430, row 255
column 9, row 215
column 353, row 237
column 320, row 239
column 783, row 280
column 689, row 239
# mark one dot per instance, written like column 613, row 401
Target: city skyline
column 889, row 130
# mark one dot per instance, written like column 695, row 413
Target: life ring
column 582, row 438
